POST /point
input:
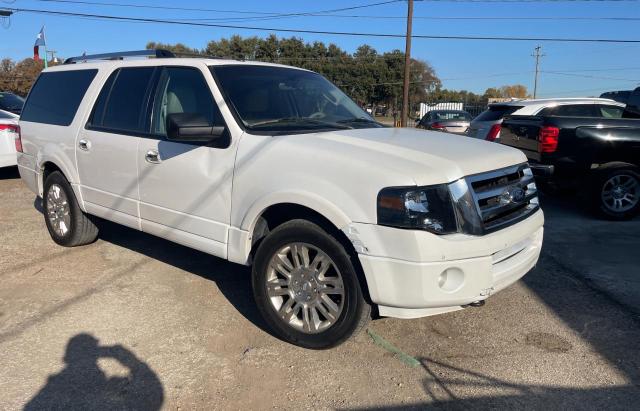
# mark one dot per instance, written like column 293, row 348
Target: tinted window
column 55, row 97
column 494, row 113
column 126, row 103
column 183, row 90
column 9, row 101
column 575, row 110
column 98, row 109
column 610, row 111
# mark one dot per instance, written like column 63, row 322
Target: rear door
column 107, row 147
column 185, row 189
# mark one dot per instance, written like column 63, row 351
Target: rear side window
column 610, row 111
column 575, row 110
column 121, row 104
column 494, row 113
column 56, row 96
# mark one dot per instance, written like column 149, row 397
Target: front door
column 185, row 189
column 107, row 148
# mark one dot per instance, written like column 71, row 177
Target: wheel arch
column 277, row 214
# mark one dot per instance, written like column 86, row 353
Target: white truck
column 274, row 167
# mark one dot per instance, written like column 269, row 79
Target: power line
column 337, row 33
column 198, row 9
column 589, row 76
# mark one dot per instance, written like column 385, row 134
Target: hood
column 428, row 157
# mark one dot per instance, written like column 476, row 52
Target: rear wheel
column 306, row 287
column 68, row 225
column 616, row 193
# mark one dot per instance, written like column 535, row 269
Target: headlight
column 425, row 208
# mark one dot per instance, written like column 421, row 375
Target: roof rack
column 158, row 53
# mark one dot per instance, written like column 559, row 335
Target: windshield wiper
column 357, row 120
column 296, row 121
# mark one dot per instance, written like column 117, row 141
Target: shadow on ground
column 233, row 280
column 83, row 385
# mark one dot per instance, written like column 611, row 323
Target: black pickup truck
column 600, row 156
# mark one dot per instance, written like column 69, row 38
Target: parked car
column 11, row 102
column 8, row 134
column 621, row 96
column 488, row 123
column 450, row 121
column 274, row 167
column 595, row 147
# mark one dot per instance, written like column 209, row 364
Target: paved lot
column 133, row 321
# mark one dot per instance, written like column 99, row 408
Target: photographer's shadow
column 83, row 385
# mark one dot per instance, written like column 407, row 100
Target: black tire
column 602, row 180
column 355, row 311
column 81, row 229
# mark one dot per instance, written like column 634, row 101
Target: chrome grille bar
column 502, row 197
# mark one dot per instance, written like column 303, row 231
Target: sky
column 567, row 69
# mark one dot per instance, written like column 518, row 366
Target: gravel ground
column 136, row 322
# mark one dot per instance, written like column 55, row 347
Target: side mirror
column 191, row 128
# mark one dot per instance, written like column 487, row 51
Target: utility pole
column 537, row 56
column 407, row 64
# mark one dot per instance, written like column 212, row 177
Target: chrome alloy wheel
column 305, row 287
column 58, row 210
column 620, row 193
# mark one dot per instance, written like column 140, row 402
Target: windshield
column 10, row 101
column 451, row 116
column 283, row 100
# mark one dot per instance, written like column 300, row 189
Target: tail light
column 438, row 126
column 548, row 139
column 15, row 130
column 493, row 132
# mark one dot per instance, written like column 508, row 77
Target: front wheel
column 306, row 287
column 616, row 193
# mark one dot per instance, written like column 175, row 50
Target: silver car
column 450, row 121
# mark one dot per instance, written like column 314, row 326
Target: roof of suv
column 190, row 61
column 531, row 107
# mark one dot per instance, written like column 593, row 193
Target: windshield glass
column 283, row 100
column 451, row 116
column 10, row 101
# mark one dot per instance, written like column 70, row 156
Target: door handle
column 152, row 156
column 84, row 145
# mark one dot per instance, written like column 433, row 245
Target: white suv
column 274, row 167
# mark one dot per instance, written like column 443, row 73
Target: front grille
column 503, row 197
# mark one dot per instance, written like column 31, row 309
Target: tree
column 19, row 77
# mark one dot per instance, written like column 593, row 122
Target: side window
column 610, row 111
column 183, row 90
column 126, row 100
column 98, row 109
column 56, row 96
column 576, row 110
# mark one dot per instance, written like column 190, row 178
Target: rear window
column 55, row 97
column 494, row 113
column 10, row 101
column 575, row 110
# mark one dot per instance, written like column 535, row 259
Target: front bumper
column 430, row 274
